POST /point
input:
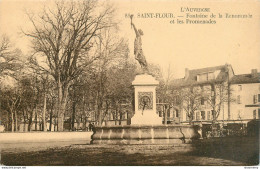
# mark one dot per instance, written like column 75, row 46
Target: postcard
column 129, row 83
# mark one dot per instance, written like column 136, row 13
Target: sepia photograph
column 129, row 83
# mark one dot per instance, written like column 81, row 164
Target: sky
column 234, row 41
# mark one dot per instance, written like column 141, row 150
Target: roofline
column 208, row 67
column 243, row 82
column 198, row 84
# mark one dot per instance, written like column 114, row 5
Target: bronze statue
column 138, row 51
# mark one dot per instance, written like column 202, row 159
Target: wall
column 44, row 136
column 246, row 93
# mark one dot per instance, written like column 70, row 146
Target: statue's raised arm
column 133, row 25
column 138, row 51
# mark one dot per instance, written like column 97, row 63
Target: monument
column 144, row 85
column 146, row 126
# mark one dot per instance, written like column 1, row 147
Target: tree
column 46, row 84
column 65, row 35
column 28, row 99
column 120, row 91
column 11, row 99
column 9, row 57
column 191, row 100
column 10, row 66
column 51, row 106
column 164, row 94
column 112, row 51
column 216, row 94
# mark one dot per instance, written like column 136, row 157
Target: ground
column 233, row 151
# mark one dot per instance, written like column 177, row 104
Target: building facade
column 246, row 90
column 217, row 94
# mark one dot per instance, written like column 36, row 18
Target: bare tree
column 191, row 100
column 216, row 94
column 11, row 99
column 111, row 51
column 164, row 93
column 65, row 36
column 10, row 57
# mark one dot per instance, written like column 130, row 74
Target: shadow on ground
column 240, row 149
column 217, row 152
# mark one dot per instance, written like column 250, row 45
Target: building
column 246, row 89
column 217, row 93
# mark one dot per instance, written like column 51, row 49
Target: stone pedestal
column 145, row 101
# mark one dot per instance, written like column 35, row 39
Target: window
column 212, row 114
column 202, row 115
column 206, row 76
column 258, row 113
column 208, row 114
column 168, row 113
column 193, row 116
column 239, row 87
column 254, row 114
column 255, row 99
column 258, row 97
column 238, row 99
column 202, row 101
column 203, row 77
column 211, row 76
column 127, row 115
column 110, row 116
column 177, row 113
column 198, row 116
column 160, row 113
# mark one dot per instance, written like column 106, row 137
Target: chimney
column 186, row 73
column 254, row 73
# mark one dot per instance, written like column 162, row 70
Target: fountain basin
column 145, row 134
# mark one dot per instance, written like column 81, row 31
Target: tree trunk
column 73, row 115
column 8, row 122
column 120, row 115
column 44, row 113
column 165, row 114
column 55, row 124
column 120, row 118
column 12, row 121
column 60, row 119
column 62, row 102
column 30, row 121
column 213, row 103
column 116, row 117
column 85, row 118
column 36, row 117
column 229, row 113
column 51, row 118
column 191, row 118
column 99, row 114
column 24, row 121
column 16, row 122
